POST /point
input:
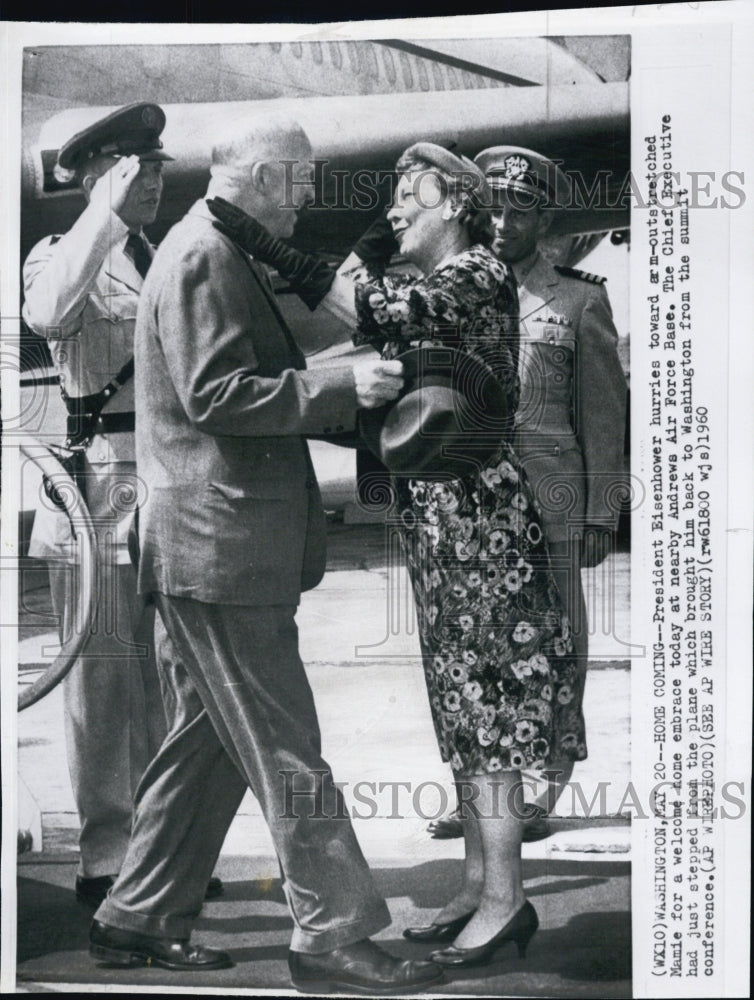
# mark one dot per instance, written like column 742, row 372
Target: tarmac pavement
column 359, row 643
column 582, row 948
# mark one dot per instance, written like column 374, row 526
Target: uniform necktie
column 137, row 251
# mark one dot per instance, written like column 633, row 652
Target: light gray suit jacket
column 233, row 514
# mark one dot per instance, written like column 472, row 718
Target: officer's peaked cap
column 524, row 173
column 132, row 130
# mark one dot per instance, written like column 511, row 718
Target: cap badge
column 515, row 166
column 149, row 117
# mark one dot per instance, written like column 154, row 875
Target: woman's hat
column 452, row 413
column 455, row 165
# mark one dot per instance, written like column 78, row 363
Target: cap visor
column 155, row 154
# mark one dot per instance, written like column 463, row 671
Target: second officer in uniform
column 570, row 422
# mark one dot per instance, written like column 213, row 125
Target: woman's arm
column 458, row 301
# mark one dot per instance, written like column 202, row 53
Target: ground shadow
column 591, row 947
column 49, row 919
column 431, row 884
column 584, row 950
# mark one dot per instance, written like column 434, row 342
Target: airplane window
column 297, row 49
column 408, row 76
column 316, row 48
column 389, row 63
column 452, row 78
column 276, row 46
column 437, row 74
column 468, row 79
column 354, row 56
column 423, row 77
column 336, row 56
column 371, row 60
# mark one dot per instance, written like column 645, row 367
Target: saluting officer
column 570, row 423
column 81, row 292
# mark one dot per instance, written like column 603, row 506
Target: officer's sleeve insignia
column 574, row 272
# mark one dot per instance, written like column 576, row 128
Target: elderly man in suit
column 231, row 532
column 81, row 291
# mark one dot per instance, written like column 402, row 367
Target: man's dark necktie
column 137, row 251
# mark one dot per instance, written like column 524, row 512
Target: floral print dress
column 503, row 684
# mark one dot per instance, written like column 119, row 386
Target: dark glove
column 308, row 277
column 378, row 244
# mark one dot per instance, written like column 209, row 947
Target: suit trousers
column 543, row 788
column 240, row 713
column 114, row 718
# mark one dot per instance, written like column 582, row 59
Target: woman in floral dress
column 489, row 620
column 497, row 654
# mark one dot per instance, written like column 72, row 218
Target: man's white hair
column 261, row 139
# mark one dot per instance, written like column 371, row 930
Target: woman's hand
column 241, row 227
column 308, row 277
column 378, row 244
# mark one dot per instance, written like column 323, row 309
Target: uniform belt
column 106, row 423
column 85, row 417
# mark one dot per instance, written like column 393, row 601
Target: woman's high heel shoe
column 438, row 932
column 520, row 928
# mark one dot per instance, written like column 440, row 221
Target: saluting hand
column 377, row 382
column 112, row 187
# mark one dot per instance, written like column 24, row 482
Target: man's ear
column 260, row 176
column 544, row 222
column 87, row 184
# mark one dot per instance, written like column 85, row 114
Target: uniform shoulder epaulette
column 574, row 272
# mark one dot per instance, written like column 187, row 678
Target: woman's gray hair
column 460, row 179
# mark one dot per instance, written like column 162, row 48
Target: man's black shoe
column 362, row 967
column 114, row 946
column 92, row 891
column 215, row 888
column 536, row 828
